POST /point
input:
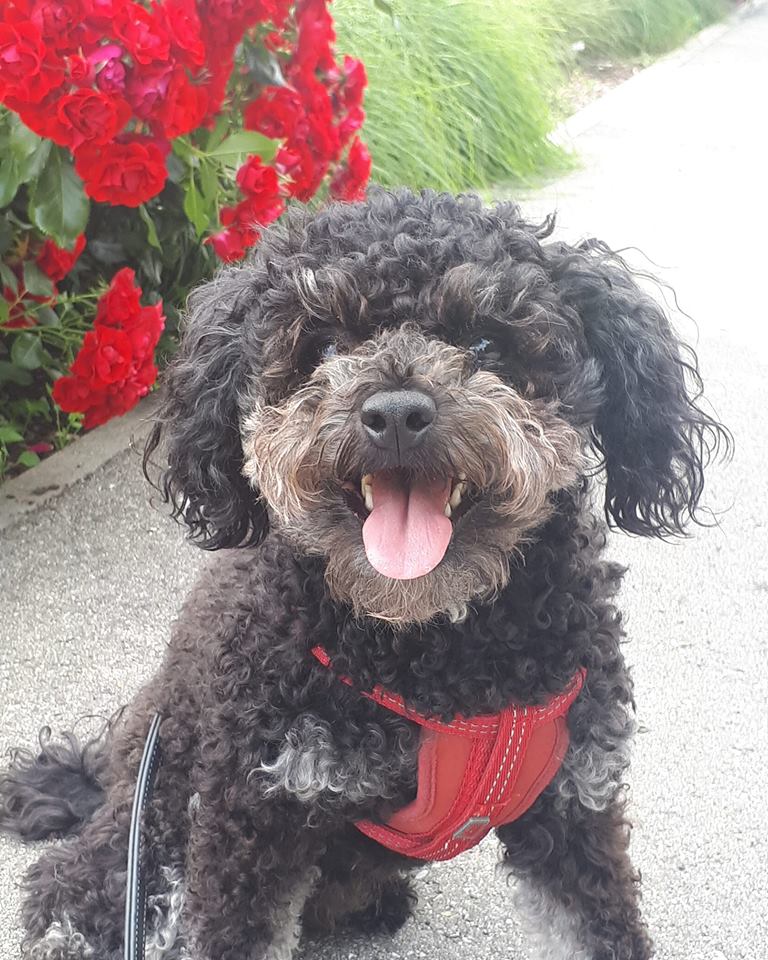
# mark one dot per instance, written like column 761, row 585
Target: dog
column 408, row 424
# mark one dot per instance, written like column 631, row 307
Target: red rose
column 109, row 67
column 104, row 358
column 251, row 213
column 146, row 89
column 80, row 72
column 355, row 81
column 56, row 262
column 183, row 25
column 350, row 179
column 298, row 163
column 126, row 173
column 115, row 367
column 122, row 300
column 88, row 116
column 72, row 394
column 314, row 47
column 183, row 107
column 232, row 244
column 254, row 178
column 350, row 124
column 59, row 22
column 275, row 113
column 26, row 74
column 143, row 33
column 103, row 11
column 144, row 330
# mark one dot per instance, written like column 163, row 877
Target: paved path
column 674, row 162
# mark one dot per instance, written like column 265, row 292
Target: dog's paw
column 389, row 911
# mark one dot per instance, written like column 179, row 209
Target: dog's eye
column 328, row 349
column 485, row 351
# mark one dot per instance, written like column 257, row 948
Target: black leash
column 136, row 894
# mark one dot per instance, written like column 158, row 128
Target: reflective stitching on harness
column 504, row 758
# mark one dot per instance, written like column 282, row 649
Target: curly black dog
column 393, row 410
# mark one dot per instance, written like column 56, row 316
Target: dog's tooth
column 366, row 488
column 457, row 493
column 448, row 510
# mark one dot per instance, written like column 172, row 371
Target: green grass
column 458, row 91
column 632, row 29
column 463, row 93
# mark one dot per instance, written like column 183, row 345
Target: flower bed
column 140, row 144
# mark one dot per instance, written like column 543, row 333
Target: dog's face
column 403, row 385
column 408, row 458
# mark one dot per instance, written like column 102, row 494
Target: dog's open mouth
column 407, row 521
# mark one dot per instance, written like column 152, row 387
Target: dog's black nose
column 397, row 420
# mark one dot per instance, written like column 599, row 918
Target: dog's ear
column 654, row 439
column 197, row 426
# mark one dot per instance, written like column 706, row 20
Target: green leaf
column 11, row 374
column 27, row 351
column 35, row 163
column 5, row 310
column 245, row 142
column 21, row 140
column 218, row 133
column 24, row 156
column 35, row 281
column 195, row 208
column 46, row 317
column 10, row 179
column 8, row 277
column 28, row 459
column 57, row 203
column 184, row 151
column 209, row 184
column 9, row 435
column 149, row 223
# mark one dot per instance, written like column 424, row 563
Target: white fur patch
column 310, row 764
column 593, row 771
column 61, row 942
column 554, row 931
column 164, row 940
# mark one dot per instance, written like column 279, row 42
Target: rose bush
column 140, row 143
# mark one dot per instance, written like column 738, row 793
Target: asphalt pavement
column 673, row 163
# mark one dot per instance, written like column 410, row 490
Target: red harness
column 474, row 774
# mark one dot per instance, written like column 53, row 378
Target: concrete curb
column 54, row 475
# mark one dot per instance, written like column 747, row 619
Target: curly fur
column 52, row 792
column 268, row 758
column 309, row 764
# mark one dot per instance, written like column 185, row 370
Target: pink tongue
column 407, row 532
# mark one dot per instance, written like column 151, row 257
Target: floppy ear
column 198, row 422
column 654, row 439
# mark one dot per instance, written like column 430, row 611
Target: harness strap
column 473, row 774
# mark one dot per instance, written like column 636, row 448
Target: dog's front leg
column 578, row 890
column 250, row 869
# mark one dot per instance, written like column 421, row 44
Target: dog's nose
column 397, row 420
